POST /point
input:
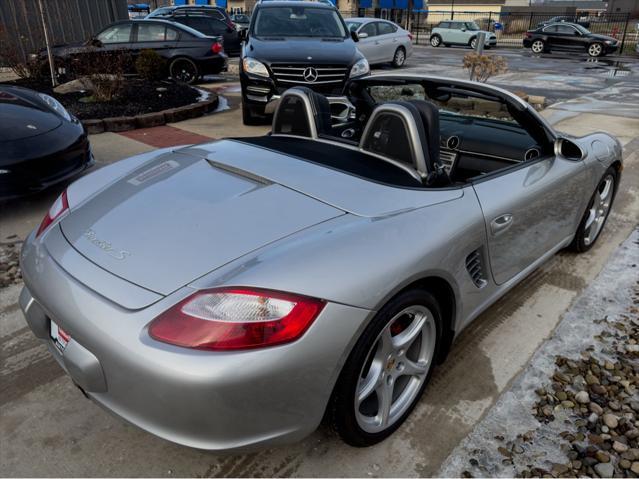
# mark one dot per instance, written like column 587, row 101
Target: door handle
column 501, row 224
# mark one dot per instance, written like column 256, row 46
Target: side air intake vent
column 475, row 268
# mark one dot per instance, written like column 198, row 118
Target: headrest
column 395, row 130
column 302, row 112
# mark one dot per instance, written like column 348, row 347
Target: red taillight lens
column 58, row 207
column 528, row 35
column 410, row 37
column 236, row 318
column 216, row 47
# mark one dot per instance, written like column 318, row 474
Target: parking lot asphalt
column 557, row 76
column 47, row 428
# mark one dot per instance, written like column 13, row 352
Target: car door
column 529, row 210
column 154, row 36
column 368, row 45
column 107, row 48
column 388, row 40
column 456, row 34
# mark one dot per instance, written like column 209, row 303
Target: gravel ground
column 574, row 410
column 9, row 256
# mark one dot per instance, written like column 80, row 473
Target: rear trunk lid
column 178, row 217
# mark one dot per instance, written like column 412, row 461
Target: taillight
column 216, row 47
column 528, row 35
column 236, row 318
column 410, row 37
column 59, row 206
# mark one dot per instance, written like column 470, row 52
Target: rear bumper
column 213, row 65
column 208, row 400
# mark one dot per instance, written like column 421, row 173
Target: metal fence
column 67, row 20
column 509, row 27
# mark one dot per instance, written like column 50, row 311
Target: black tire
column 436, row 41
column 580, row 243
column 184, row 70
column 399, row 58
column 447, row 45
column 341, row 412
column 247, row 116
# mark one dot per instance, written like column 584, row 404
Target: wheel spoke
column 385, row 401
column 592, row 214
column 408, row 336
column 371, row 382
column 412, row 368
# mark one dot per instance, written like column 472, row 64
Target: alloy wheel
column 473, row 43
column 595, row 50
column 435, row 41
column 599, row 209
column 184, row 71
column 400, row 57
column 537, row 46
column 395, row 369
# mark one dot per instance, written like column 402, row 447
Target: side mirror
column 568, row 150
column 94, row 42
column 356, row 36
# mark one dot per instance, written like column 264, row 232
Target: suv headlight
column 251, row 65
column 56, row 106
column 360, row 68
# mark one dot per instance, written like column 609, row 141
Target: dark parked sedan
column 569, row 37
column 189, row 53
column 42, row 144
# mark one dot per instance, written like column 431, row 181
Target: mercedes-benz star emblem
column 310, row 74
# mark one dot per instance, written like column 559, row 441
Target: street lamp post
column 452, row 9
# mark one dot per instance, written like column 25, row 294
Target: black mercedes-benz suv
column 293, row 43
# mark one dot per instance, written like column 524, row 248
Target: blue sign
column 418, row 4
column 402, row 4
column 385, row 3
column 220, row 3
column 201, row 2
column 498, row 26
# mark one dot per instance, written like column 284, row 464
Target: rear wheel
column 473, row 43
column 538, row 46
column 597, row 212
column 184, row 70
column 435, row 40
column 399, row 58
column 388, row 369
column 595, row 49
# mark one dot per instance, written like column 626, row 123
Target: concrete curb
column 148, row 120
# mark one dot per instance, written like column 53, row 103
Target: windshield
column 298, row 22
column 352, row 26
column 472, row 26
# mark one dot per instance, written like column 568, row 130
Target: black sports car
column 42, row 144
column 569, row 37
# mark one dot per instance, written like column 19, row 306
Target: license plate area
column 59, row 336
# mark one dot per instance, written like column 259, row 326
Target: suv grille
column 288, row 75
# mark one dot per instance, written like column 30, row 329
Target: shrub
column 12, row 56
column 150, row 65
column 105, row 72
column 482, row 67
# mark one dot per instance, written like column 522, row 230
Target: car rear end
column 121, row 330
column 206, row 51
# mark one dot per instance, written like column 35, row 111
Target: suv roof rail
column 325, row 2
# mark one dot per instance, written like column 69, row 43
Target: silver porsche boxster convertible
column 232, row 294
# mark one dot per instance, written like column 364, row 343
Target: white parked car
column 451, row 32
column 381, row 41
